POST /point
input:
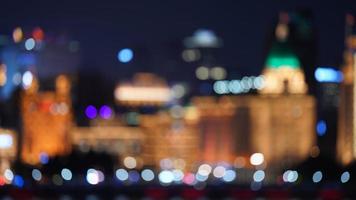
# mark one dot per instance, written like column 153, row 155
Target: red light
column 2, row 181
column 38, row 34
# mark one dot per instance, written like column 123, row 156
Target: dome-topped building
column 283, row 73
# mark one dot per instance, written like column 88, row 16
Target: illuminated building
column 283, row 73
column 115, row 139
column 35, row 49
column 201, row 52
column 215, row 125
column 46, row 118
column 242, row 125
column 148, row 137
column 346, row 140
column 173, row 137
column 8, row 149
column 165, row 136
column 157, row 137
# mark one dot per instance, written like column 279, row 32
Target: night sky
column 155, row 30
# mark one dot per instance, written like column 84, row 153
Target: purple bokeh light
column 105, row 112
column 91, row 112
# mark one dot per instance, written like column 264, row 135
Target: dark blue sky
column 156, row 29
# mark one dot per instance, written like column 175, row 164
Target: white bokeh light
column 257, row 159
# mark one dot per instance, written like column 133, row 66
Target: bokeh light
column 91, row 112
column 134, row 176
column 290, row 176
column 38, row 34
column 204, row 169
column 191, row 55
column 259, row 176
column 178, row 175
column 219, row 171
column 36, row 174
column 18, row 181
column 130, row 162
column 6, row 141
column 44, row 158
column 229, row 175
column 218, row 73
column 166, row 177
column 17, row 35
column 9, row 175
column 257, row 159
column 147, row 175
column 178, row 91
column 105, row 112
column 125, row 55
column 122, row 174
column 345, row 177
column 321, row 128
column 92, row 177
column 66, row 174
column 202, row 73
column 166, row 163
column 317, row 176
column 189, row 179
column 30, row 44
column 27, row 79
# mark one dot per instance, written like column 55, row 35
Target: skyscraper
column 346, row 140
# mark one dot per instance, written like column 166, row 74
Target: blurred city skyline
column 155, row 31
column 213, row 99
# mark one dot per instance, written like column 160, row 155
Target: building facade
column 346, row 139
column 234, row 126
column 47, row 119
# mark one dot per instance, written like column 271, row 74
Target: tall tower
column 46, row 118
column 346, row 140
column 283, row 73
column 286, row 104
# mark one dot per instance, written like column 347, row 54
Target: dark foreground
column 176, row 192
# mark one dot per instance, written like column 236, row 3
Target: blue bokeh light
column 30, row 44
column 321, row 128
column 44, row 158
column 125, row 55
column 328, row 75
column 18, row 181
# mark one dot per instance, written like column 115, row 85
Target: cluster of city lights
column 215, row 73
column 31, row 43
column 245, row 85
column 164, row 177
column 105, row 112
column 172, row 172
